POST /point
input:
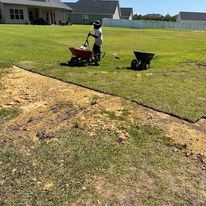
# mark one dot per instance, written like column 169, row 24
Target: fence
column 144, row 24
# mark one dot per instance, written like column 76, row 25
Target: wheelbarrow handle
column 155, row 57
column 87, row 40
column 86, row 44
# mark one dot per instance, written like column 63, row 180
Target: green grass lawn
column 174, row 84
column 8, row 114
column 75, row 169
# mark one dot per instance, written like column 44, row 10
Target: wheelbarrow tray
column 81, row 53
column 144, row 57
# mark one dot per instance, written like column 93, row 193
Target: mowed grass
column 175, row 84
column 7, row 114
column 75, row 169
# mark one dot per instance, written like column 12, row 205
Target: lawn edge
column 115, row 95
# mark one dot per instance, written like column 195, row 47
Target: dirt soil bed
column 49, row 106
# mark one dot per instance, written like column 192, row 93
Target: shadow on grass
column 77, row 66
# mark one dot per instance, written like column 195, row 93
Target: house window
column 21, row 12
column 0, row 14
column 16, row 14
column 11, row 13
column 85, row 18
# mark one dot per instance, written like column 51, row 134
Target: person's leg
column 96, row 52
column 99, row 53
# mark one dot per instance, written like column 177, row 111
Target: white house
column 28, row 11
column 88, row 11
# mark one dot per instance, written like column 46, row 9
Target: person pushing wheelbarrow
column 98, row 36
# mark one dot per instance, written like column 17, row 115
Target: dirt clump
column 49, row 106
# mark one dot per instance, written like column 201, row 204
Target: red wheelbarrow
column 83, row 55
column 80, row 56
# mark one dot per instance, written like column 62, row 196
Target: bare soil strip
column 50, row 106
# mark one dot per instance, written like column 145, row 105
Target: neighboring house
column 126, row 13
column 191, row 17
column 26, row 11
column 88, row 11
column 153, row 16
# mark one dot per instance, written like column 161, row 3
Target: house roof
column 153, row 15
column 39, row 3
column 193, row 16
column 94, row 6
column 126, row 12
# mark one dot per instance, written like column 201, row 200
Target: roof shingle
column 40, row 3
column 193, row 16
column 94, row 6
column 126, row 12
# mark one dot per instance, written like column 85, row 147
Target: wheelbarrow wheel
column 134, row 64
column 73, row 62
column 142, row 66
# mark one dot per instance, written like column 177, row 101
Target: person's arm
column 90, row 34
column 93, row 35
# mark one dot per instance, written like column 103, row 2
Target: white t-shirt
column 99, row 40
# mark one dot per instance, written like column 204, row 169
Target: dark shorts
column 97, row 52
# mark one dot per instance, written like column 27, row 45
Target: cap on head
column 97, row 24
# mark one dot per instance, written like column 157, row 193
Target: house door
column 33, row 14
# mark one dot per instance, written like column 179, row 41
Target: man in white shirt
column 98, row 41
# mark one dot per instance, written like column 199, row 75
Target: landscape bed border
column 112, row 94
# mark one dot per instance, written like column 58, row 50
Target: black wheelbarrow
column 142, row 61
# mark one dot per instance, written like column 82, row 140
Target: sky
column 172, row 7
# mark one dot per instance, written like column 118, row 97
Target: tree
column 155, row 17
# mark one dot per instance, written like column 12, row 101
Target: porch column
column 40, row 13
